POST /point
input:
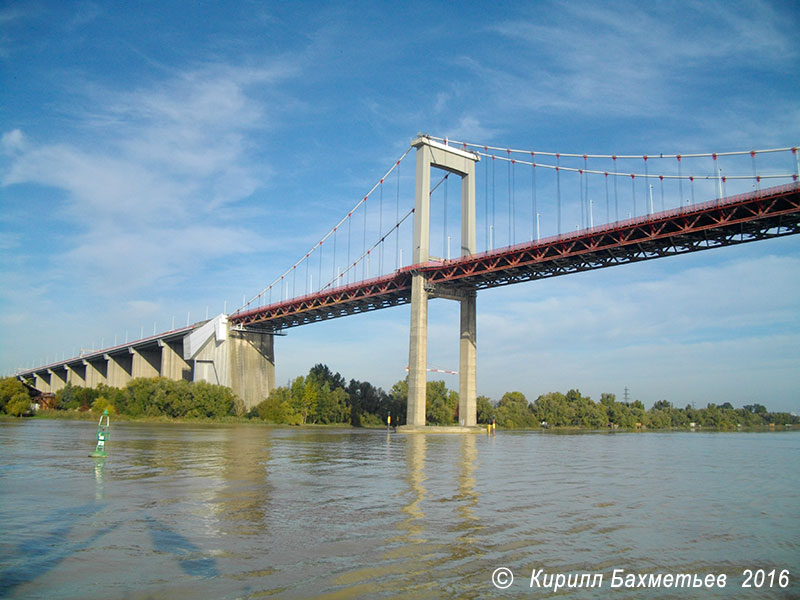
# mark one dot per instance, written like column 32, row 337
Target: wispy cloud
column 629, row 59
column 148, row 195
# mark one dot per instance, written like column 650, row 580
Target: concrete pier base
column 418, row 354
column 439, row 429
column 468, row 364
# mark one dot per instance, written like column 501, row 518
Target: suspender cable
column 380, row 230
column 334, row 253
column 533, row 200
column 397, row 220
column 320, row 264
column 445, row 254
column 717, row 171
column 349, row 235
column 493, row 228
column 586, row 183
column 513, row 203
column 582, row 198
column 364, row 246
column 558, row 189
column 616, row 195
column 510, row 209
column 486, row 206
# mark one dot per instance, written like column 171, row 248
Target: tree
column 442, row 404
column 514, row 411
column 662, row 405
column 398, row 402
column 277, row 407
column 554, row 409
column 485, row 409
column 72, row 397
column 368, row 403
column 9, row 388
column 102, row 403
column 323, row 374
column 332, row 405
column 303, row 398
column 19, row 404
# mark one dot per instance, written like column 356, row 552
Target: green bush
column 72, row 397
column 19, row 404
column 9, row 388
column 276, row 408
column 102, row 403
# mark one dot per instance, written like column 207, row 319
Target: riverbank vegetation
column 325, row 398
column 142, row 397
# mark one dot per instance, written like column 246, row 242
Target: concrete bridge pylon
column 431, row 153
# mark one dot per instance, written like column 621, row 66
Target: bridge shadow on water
column 189, row 556
column 45, row 552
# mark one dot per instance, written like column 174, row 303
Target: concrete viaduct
column 214, row 351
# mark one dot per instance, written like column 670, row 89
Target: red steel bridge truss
column 767, row 213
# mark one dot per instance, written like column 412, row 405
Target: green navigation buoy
column 102, row 436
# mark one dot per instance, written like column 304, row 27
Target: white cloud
column 147, row 190
column 630, row 59
column 469, row 128
column 12, row 141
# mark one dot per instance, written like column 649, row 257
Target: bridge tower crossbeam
column 431, row 153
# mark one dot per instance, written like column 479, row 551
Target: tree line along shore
column 326, row 398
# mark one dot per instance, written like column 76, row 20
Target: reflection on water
column 413, row 525
column 242, row 498
column 468, row 526
column 251, row 511
column 99, row 465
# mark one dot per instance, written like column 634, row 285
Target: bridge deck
column 767, row 213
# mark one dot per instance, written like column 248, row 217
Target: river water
column 241, row 511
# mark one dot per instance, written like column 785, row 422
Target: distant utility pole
column 626, row 394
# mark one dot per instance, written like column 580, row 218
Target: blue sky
column 167, row 158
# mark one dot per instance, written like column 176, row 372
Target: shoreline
column 89, row 416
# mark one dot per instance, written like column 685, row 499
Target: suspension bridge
column 518, row 215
